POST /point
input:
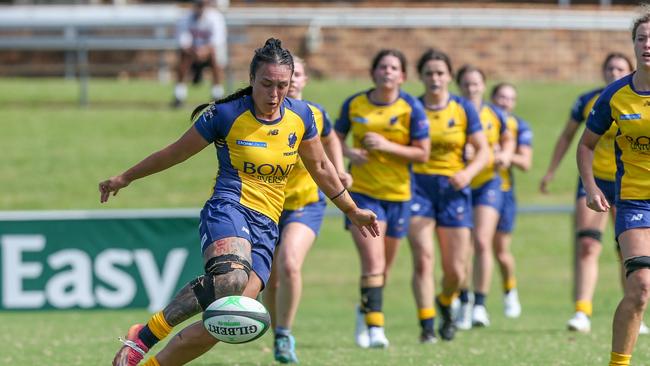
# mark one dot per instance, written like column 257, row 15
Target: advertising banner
column 63, row 260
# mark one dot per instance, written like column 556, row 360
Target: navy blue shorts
column 607, row 186
column 310, row 215
column 489, row 194
column 631, row 214
column 222, row 218
column 434, row 197
column 508, row 212
column 395, row 214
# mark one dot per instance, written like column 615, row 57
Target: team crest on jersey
column 292, row 140
column 451, row 123
column 393, row 120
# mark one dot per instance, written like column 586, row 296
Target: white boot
column 511, row 305
column 579, row 323
column 377, row 337
column 480, row 316
column 361, row 330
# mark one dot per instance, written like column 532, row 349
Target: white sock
column 180, row 92
column 217, row 91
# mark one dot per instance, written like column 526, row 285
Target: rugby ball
column 236, row 319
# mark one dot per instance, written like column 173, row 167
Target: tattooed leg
column 194, row 340
column 185, row 304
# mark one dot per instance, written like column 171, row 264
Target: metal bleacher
column 77, row 30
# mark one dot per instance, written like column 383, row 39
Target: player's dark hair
column 498, row 87
column 642, row 19
column 466, row 69
column 614, row 55
column 434, row 54
column 271, row 53
column 388, row 52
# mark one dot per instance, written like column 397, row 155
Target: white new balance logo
column 637, row 217
column 245, row 229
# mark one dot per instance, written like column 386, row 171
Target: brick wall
column 559, row 55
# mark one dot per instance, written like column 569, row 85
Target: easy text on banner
column 96, row 262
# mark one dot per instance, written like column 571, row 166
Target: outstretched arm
column 324, row 174
column 186, row 146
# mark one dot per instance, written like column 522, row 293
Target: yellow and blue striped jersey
column 449, row 128
column 524, row 137
column 255, row 157
column 604, row 164
column 385, row 176
column 619, row 103
column 301, row 189
column 493, row 121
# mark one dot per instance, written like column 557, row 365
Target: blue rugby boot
column 284, row 349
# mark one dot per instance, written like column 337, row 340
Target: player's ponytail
column 236, row 95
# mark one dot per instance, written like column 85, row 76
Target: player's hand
column 346, row 179
column 375, row 141
column 358, row 156
column 596, row 201
column 543, row 185
column 364, row 220
column 459, row 180
column 502, row 161
column 113, row 184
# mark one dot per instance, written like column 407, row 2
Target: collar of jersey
column 381, row 104
column 251, row 108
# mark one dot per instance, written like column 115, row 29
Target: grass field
column 54, row 153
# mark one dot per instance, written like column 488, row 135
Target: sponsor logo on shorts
column 245, row 229
column 636, row 217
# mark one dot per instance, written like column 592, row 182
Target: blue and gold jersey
column 619, row 103
column 385, row 176
column 524, row 136
column 604, row 164
column 493, row 121
column 449, row 128
column 255, row 157
column 301, row 189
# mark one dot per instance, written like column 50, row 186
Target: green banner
column 87, row 261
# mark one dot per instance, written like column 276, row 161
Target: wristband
column 338, row 195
